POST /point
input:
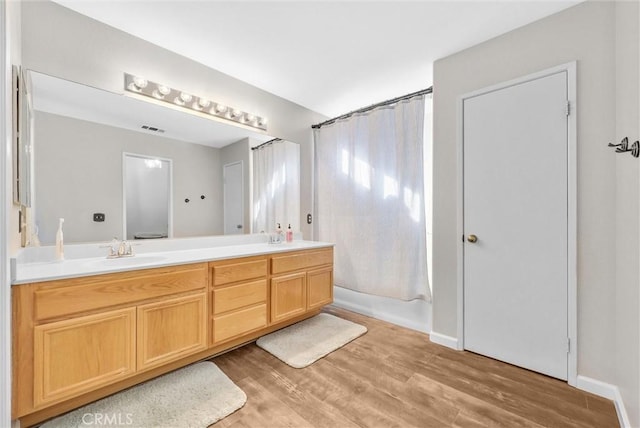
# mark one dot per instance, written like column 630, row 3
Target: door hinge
column 568, row 345
column 568, row 108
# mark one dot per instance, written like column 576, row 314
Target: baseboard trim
column 402, row 322
column 606, row 390
column 413, row 314
column 444, row 340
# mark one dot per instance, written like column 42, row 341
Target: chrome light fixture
column 176, row 97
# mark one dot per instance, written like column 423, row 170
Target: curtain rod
column 429, row 90
column 266, row 143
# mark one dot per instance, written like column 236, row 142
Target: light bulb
column 262, row 121
column 204, row 103
column 235, row 113
column 249, row 117
column 185, row 97
column 140, row 82
column 220, row 108
column 161, row 91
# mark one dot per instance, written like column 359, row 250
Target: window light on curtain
column 370, row 199
column 276, row 186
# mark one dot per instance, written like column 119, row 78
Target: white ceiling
column 331, row 57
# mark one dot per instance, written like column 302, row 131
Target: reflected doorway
column 147, row 193
column 233, row 178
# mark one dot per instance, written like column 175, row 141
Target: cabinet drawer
column 238, row 270
column 75, row 356
column 72, row 296
column 301, row 260
column 237, row 296
column 240, row 322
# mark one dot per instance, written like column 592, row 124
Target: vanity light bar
column 182, row 99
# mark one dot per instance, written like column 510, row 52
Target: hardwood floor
column 395, row 377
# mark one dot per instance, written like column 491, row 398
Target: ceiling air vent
column 152, row 129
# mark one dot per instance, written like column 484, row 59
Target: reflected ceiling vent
column 152, row 129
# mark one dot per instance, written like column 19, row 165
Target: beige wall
column 627, row 312
column 78, row 167
column 63, row 43
column 585, row 33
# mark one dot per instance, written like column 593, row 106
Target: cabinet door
column 320, row 287
column 171, row 329
column 288, row 296
column 82, row 354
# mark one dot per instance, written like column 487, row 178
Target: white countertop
column 72, row 268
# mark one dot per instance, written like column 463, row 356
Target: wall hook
column 623, row 147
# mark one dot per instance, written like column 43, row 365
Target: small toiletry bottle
column 289, row 234
column 60, row 242
column 279, row 234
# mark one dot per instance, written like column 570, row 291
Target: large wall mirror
column 80, row 137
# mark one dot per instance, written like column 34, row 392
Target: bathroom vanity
column 84, row 329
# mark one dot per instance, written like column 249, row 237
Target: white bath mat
column 307, row 341
column 195, row 396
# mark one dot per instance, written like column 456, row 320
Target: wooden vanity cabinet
column 80, row 339
column 76, row 335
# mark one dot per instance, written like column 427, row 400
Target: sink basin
column 129, row 261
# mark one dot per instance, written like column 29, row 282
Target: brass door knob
column 472, row 238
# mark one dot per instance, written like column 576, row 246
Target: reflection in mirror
column 233, row 178
column 80, row 135
column 23, row 131
column 276, row 185
column 147, row 197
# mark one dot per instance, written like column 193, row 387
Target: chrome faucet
column 119, row 248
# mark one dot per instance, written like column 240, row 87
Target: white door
column 515, row 202
column 233, row 198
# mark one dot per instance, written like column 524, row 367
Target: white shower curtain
column 369, row 196
column 276, row 186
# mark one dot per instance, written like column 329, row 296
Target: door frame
column 124, row 190
column 224, row 194
column 572, row 295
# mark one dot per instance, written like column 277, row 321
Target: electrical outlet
column 308, row 218
column 99, row 217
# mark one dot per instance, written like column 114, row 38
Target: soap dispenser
column 279, row 234
column 289, row 234
column 60, row 242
